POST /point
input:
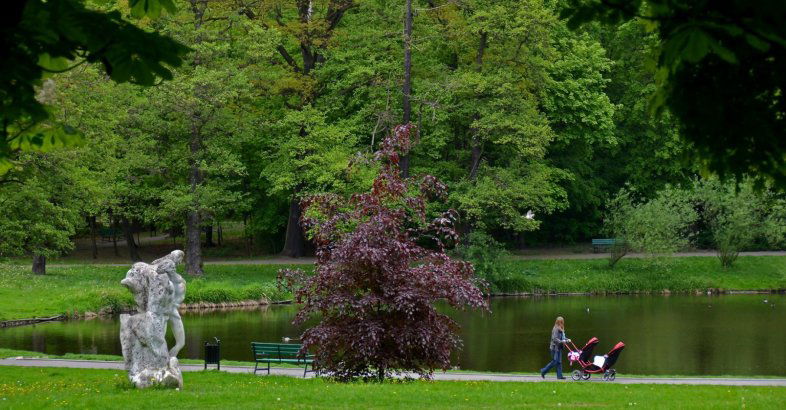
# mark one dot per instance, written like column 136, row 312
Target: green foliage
column 737, row 216
column 501, row 197
column 150, row 8
column 311, row 155
column 44, row 37
column 714, row 55
column 729, row 217
column 486, row 254
column 40, row 201
column 659, row 226
column 516, row 113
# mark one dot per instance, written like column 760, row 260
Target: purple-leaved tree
column 381, row 266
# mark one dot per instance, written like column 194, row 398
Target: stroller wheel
column 606, row 376
column 612, row 375
column 585, row 375
column 576, row 375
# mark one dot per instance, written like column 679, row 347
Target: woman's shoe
column 561, row 378
column 542, row 375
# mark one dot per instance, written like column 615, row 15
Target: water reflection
column 690, row 335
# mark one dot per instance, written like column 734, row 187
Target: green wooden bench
column 599, row 245
column 280, row 353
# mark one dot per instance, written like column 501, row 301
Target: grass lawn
column 66, row 289
column 678, row 274
column 94, row 288
column 77, row 388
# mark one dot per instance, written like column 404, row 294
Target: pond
column 668, row 335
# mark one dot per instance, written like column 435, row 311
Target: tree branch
column 336, row 11
column 288, row 58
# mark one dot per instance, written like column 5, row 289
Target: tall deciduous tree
column 195, row 117
column 406, row 89
column 310, row 32
column 40, row 201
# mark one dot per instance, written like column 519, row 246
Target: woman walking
column 555, row 348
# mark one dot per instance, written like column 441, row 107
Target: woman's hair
column 560, row 322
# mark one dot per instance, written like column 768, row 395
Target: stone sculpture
column 158, row 291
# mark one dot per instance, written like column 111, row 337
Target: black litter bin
column 213, row 353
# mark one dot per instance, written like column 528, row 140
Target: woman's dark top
column 557, row 336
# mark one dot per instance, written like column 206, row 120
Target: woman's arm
column 556, row 335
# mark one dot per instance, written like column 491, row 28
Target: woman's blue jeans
column 556, row 361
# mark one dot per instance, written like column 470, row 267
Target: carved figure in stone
column 168, row 265
column 158, row 291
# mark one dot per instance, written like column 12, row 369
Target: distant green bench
column 280, row 353
column 600, row 245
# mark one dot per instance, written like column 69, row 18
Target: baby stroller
column 589, row 364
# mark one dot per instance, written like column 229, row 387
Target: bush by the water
column 708, row 213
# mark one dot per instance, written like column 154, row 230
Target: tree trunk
column 407, row 88
column 209, row 236
column 114, row 235
column 92, row 222
column 193, row 244
column 133, row 252
column 220, row 235
column 194, row 218
column 476, row 140
column 39, row 264
column 294, row 241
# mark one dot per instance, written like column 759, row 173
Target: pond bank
column 84, row 290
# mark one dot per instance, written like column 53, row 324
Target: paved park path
column 453, row 376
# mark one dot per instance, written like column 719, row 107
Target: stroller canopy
column 586, row 351
column 613, row 355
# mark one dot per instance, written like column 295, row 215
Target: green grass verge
column 79, row 388
column 679, row 274
column 80, row 289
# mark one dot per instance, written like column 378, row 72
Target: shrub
column 734, row 215
column 380, row 268
column 485, row 253
column 659, row 226
column 730, row 217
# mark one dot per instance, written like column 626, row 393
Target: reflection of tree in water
column 38, row 340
